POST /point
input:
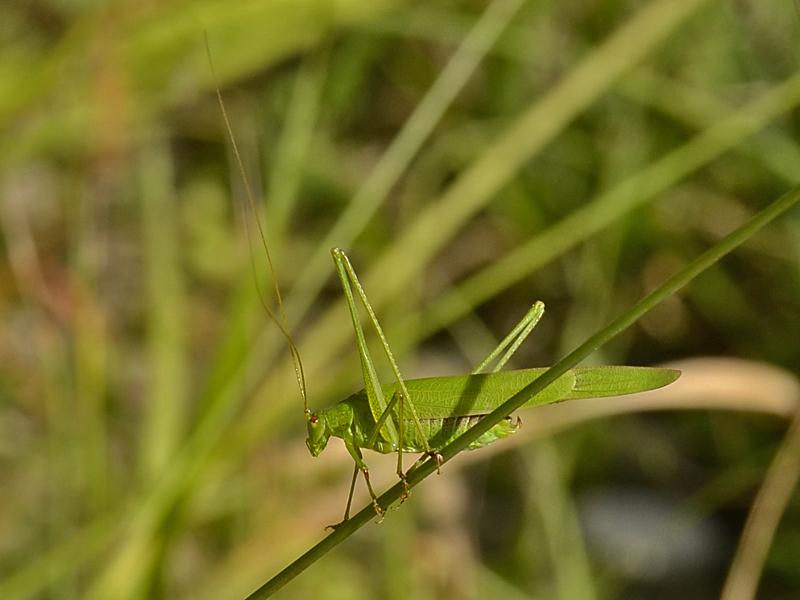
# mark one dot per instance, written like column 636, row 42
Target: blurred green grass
column 152, row 439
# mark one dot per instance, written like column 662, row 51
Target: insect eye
column 313, row 419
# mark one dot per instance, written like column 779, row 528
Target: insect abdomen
column 440, row 432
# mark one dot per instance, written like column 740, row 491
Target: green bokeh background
column 151, row 433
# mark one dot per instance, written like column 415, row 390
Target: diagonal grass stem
column 607, row 333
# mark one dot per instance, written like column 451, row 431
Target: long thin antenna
column 280, row 319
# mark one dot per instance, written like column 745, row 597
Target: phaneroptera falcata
column 424, row 415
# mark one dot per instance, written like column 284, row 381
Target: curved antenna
column 280, row 319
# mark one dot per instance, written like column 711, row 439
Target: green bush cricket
column 424, row 415
column 435, row 410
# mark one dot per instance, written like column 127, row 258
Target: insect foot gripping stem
column 406, row 489
column 379, row 510
column 434, row 455
column 377, row 507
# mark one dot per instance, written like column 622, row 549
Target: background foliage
column 151, row 438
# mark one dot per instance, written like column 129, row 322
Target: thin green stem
column 425, row 469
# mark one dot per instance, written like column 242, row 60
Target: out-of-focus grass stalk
column 62, row 448
column 292, row 149
column 245, row 313
column 699, row 108
column 593, row 289
column 90, row 341
column 672, row 97
column 561, row 530
column 405, row 146
column 165, row 400
column 492, row 585
column 522, row 140
column 156, row 41
column 56, row 566
column 765, row 515
column 603, row 210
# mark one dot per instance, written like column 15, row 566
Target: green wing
column 466, row 395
